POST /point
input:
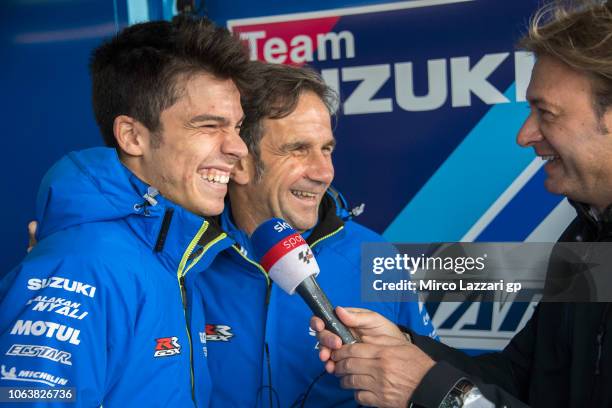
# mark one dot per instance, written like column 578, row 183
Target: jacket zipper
column 327, row 236
column 188, row 325
column 266, row 349
column 267, row 303
column 600, row 336
column 266, row 346
column 180, row 273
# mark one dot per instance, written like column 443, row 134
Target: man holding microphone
column 563, row 357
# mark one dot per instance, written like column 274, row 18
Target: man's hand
column 384, row 369
column 32, row 235
column 383, row 375
column 364, row 324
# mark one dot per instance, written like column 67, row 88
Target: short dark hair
column 137, row 72
column 276, row 97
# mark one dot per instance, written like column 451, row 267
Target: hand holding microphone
column 290, row 263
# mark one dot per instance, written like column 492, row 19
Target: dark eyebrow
column 203, row 118
column 296, row 145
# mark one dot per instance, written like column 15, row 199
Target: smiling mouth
column 550, row 158
column 215, row 176
column 304, row 195
column 217, row 179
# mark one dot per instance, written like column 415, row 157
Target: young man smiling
column 104, row 303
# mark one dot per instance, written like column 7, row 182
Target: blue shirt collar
column 241, row 237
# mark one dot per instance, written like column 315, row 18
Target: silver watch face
column 465, row 395
column 452, row 400
column 474, row 399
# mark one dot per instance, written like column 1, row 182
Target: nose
column 233, row 145
column 529, row 134
column 321, row 168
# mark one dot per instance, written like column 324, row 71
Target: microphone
column 289, row 261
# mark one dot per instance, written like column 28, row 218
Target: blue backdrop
column 432, row 97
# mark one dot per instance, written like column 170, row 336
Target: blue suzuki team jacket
column 261, row 352
column 104, row 303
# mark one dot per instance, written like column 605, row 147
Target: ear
column 244, row 171
column 130, row 135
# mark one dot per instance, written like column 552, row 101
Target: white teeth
column 550, row 158
column 215, row 176
column 305, row 194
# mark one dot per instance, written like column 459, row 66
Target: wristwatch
column 465, row 395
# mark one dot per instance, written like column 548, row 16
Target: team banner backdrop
column 432, row 97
